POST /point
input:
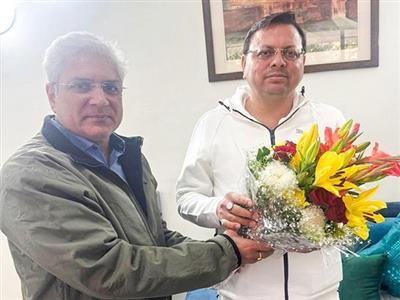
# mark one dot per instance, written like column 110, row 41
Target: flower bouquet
column 310, row 194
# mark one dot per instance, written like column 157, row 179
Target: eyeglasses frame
column 281, row 50
column 93, row 85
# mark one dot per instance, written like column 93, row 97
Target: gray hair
column 76, row 43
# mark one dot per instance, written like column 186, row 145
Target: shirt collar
column 116, row 142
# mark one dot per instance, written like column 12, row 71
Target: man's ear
column 243, row 63
column 51, row 95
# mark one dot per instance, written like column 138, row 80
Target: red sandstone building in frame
column 239, row 15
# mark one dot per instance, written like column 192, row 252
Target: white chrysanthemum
column 312, row 223
column 279, row 179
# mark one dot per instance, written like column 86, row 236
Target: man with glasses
column 78, row 202
column 266, row 111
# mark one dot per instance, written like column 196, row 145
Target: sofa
column 375, row 273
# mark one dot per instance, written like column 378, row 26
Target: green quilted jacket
column 76, row 230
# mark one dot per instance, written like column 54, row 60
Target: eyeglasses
column 290, row 53
column 83, row 86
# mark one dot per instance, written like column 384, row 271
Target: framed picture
column 341, row 34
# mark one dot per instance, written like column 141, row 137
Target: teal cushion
column 392, row 210
column 390, row 244
column 362, row 277
column 378, row 230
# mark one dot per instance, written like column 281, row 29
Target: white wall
column 168, row 88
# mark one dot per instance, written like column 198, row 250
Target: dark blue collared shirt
column 93, row 150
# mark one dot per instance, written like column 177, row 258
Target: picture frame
column 341, row 34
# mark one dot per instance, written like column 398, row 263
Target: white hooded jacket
column 215, row 165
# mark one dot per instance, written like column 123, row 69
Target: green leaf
column 262, row 153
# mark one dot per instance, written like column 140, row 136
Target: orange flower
column 340, row 140
column 379, row 158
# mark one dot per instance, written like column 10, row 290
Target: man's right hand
column 251, row 251
column 234, row 210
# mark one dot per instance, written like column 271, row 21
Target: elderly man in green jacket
column 78, row 202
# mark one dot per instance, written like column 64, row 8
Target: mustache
column 99, row 114
column 98, row 111
column 276, row 73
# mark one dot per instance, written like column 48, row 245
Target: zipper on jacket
column 271, row 131
column 286, row 274
column 273, row 141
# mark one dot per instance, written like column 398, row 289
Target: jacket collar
column 131, row 160
column 238, row 100
column 61, row 143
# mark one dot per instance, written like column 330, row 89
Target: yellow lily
column 301, row 199
column 307, row 147
column 331, row 173
column 361, row 207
